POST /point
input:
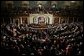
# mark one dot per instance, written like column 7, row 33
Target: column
column 73, row 19
column 59, row 20
column 77, row 19
column 27, row 20
column 21, row 20
column 10, row 20
column 18, row 22
column 67, row 19
column 13, row 20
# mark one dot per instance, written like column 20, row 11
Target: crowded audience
column 61, row 39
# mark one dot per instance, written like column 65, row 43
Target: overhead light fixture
column 72, row 1
column 53, row 6
column 39, row 5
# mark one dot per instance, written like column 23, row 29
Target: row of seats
column 61, row 39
